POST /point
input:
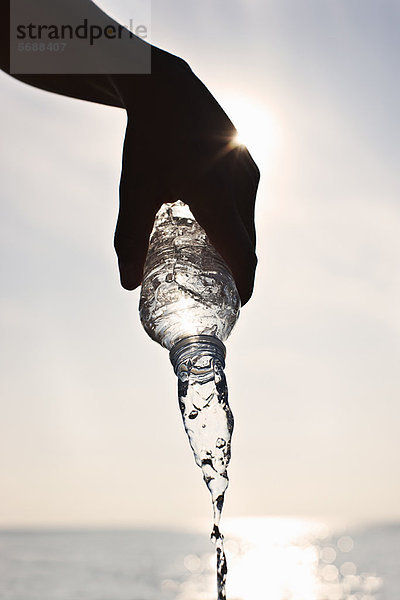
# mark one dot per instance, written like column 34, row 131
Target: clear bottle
column 188, row 293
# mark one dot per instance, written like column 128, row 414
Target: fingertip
column 129, row 287
column 245, row 280
column 130, row 277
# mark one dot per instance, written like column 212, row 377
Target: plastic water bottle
column 188, row 297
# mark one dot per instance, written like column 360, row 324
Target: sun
column 256, row 125
column 238, row 140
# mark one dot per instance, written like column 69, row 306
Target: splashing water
column 189, row 304
column 208, row 421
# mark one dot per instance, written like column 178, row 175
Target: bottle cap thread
column 197, row 344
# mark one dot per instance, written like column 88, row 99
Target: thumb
column 141, row 195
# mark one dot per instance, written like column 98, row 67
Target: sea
column 271, row 558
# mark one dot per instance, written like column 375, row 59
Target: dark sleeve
column 98, row 88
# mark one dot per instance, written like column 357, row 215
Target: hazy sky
column 90, row 430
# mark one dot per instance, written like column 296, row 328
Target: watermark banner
column 77, row 37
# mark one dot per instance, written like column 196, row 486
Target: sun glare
column 275, row 556
column 238, row 140
column 256, row 125
column 278, row 558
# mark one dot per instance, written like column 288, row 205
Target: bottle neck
column 192, row 346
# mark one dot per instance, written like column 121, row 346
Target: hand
column 179, row 144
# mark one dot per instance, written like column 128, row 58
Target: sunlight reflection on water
column 281, row 559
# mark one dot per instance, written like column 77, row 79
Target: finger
column 141, row 195
column 215, row 210
column 245, row 177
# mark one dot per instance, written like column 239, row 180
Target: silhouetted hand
column 180, row 144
